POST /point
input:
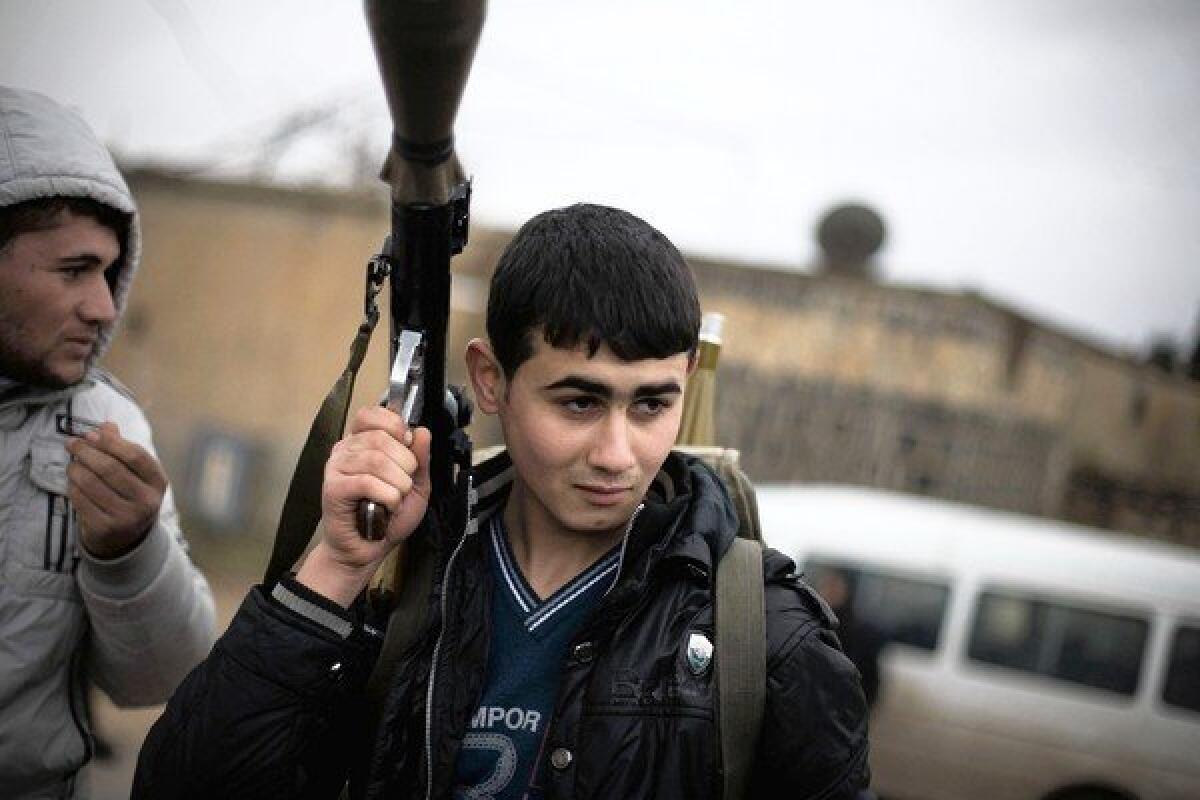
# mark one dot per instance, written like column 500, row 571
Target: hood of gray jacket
column 47, row 150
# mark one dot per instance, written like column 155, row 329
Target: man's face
column 54, row 300
column 587, row 435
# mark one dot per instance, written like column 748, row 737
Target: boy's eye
column 579, row 405
column 653, row 405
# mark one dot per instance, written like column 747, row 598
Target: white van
column 1027, row 659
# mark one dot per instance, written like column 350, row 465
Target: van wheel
column 1090, row 793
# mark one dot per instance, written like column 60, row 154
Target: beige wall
column 248, row 298
column 243, row 312
column 928, row 348
column 1136, row 422
column 834, row 379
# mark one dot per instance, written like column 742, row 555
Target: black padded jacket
column 278, row 709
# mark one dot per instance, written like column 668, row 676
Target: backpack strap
column 741, row 626
column 741, row 656
column 725, row 461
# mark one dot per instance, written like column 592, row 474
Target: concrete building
column 250, row 297
column 953, row 396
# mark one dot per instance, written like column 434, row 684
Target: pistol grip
column 372, row 520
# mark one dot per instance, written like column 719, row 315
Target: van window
column 906, row 610
column 1182, row 688
column 1092, row 648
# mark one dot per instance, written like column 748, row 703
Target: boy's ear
column 693, row 362
column 487, row 376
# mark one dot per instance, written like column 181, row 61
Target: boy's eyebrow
column 583, row 385
column 83, row 259
column 655, row 389
column 605, row 391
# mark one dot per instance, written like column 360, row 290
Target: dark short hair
column 596, row 275
column 42, row 213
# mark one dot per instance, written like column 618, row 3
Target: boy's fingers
column 95, row 464
column 378, row 418
column 107, row 438
column 354, row 489
column 375, row 464
column 86, row 489
column 421, row 442
column 377, row 441
column 91, row 514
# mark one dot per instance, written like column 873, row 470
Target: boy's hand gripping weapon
column 404, row 395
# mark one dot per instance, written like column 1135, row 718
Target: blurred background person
column 97, row 585
column 862, row 640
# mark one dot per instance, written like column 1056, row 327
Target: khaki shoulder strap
column 725, row 461
column 741, row 627
column 741, row 656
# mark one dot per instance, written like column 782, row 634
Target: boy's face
column 54, row 300
column 586, row 434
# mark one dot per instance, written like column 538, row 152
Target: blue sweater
column 501, row 753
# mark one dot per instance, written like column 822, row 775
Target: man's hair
column 593, row 275
column 42, row 213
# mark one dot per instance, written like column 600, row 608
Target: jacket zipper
column 53, row 503
column 437, row 645
column 433, row 665
column 49, row 530
column 624, row 545
column 74, row 698
column 66, row 504
column 63, row 534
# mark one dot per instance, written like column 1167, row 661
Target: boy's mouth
column 602, row 495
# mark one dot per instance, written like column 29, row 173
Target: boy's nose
column 613, row 450
column 97, row 305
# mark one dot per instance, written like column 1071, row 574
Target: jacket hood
column 47, row 150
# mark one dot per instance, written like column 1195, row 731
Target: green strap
column 725, row 461
column 741, row 656
column 302, row 507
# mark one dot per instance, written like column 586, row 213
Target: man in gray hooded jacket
column 96, row 583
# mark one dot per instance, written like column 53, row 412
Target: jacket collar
column 687, row 517
column 19, row 400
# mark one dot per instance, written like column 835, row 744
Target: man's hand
column 380, row 460
column 116, row 488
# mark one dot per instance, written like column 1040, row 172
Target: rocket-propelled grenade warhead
column 424, row 49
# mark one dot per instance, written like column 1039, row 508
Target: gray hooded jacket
column 133, row 625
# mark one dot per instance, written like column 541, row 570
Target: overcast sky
column 1044, row 152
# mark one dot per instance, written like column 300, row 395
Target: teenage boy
column 555, row 664
column 96, row 587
